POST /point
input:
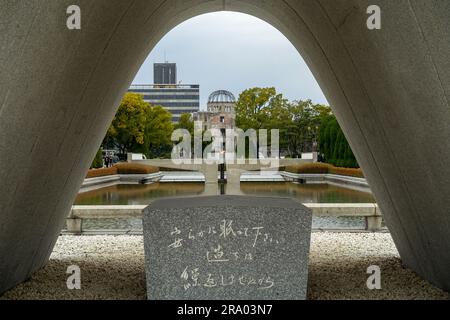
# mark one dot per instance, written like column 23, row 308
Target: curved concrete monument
column 59, row 90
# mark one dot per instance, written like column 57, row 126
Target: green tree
column 141, row 127
column 263, row 108
column 334, row 145
column 303, row 125
column 127, row 130
column 186, row 122
column 157, row 133
column 98, row 160
column 302, row 131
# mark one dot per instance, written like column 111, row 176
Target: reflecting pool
column 131, row 194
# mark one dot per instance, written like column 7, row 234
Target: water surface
column 130, row 194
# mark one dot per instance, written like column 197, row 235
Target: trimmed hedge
column 131, row 168
column 95, row 173
column 324, row 168
column 310, row 168
column 352, row 172
column 98, row 160
column 174, row 170
column 122, row 168
column 334, row 145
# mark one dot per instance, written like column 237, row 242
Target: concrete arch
column 390, row 89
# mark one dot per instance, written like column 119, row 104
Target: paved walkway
column 113, row 268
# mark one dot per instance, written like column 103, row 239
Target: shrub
column 94, row 173
column 132, row 168
column 352, row 172
column 98, row 160
column 122, row 168
column 174, row 170
column 310, row 168
column 334, row 145
column 324, row 168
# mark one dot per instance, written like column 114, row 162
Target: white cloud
column 233, row 51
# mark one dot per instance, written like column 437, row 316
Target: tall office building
column 165, row 92
column 165, row 73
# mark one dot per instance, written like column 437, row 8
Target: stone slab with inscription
column 227, row 248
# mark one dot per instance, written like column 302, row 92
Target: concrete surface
column 90, row 184
column 105, row 212
column 233, row 174
column 135, row 211
column 182, row 177
column 324, row 215
column 360, row 183
column 262, row 176
column 112, row 267
column 60, row 88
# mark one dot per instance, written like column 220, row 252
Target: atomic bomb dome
column 221, row 96
column 220, row 112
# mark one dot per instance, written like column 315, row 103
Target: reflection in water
column 131, row 194
column 138, row 194
column 307, row 193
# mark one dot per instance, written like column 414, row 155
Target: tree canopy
column 303, row 126
column 186, row 122
column 261, row 108
column 140, row 127
column 334, row 146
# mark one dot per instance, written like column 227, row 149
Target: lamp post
column 222, row 180
column 222, row 167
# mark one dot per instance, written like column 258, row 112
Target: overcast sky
column 233, row 51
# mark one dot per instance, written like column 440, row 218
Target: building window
column 222, row 119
